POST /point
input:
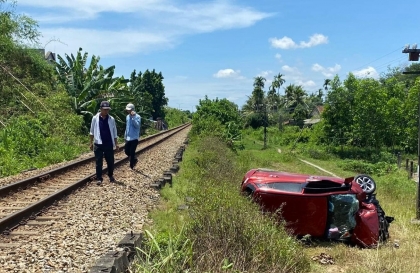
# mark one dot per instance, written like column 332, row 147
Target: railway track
column 23, row 201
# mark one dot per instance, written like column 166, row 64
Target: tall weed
column 228, row 230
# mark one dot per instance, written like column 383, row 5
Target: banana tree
column 89, row 86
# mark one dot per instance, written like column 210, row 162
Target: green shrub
column 360, row 166
column 318, row 154
column 39, row 140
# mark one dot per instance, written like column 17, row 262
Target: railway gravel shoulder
column 91, row 221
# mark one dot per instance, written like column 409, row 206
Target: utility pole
column 413, row 56
column 265, row 125
column 262, row 108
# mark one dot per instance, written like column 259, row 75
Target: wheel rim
column 366, row 184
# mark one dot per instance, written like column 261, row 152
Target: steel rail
column 22, row 184
column 30, row 212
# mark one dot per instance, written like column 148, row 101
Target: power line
column 380, row 57
column 388, row 63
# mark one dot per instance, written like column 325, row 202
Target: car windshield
column 342, row 209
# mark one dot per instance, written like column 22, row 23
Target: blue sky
column 216, row 48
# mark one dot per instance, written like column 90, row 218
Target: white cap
column 129, row 107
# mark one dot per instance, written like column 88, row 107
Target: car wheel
column 366, row 182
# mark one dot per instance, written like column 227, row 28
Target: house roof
column 311, row 121
column 320, row 108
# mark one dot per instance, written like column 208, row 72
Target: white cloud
column 278, row 57
column 212, row 16
column 283, row 43
column 317, row 67
column 159, row 23
column 306, row 84
column 94, row 7
column 290, row 69
column 288, row 43
column 228, row 73
column 294, row 76
column 368, row 72
column 98, row 42
column 314, row 40
column 327, row 72
column 265, row 74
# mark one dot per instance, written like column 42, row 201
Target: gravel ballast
column 92, row 220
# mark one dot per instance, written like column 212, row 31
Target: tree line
column 85, row 80
column 358, row 112
column 46, row 107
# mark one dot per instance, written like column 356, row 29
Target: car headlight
column 261, row 185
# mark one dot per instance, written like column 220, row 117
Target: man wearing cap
column 103, row 139
column 132, row 134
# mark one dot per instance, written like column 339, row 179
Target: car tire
column 366, row 182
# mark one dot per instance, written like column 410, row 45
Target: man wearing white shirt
column 103, row 139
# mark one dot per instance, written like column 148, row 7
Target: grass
column 397, row 196
column 226, row 230
column 228, row 234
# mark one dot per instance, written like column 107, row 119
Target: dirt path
column 319, row 168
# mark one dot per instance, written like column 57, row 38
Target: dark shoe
column 112, row 179
column 134, row 164
column 99, row 182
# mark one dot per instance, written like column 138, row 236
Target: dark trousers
column 102, row 151
column 130, row 150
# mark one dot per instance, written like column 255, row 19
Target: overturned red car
column 321, row 206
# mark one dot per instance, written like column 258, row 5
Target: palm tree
column 295, row 95
column 259, row 82
column 278, row 82
column 88, row 86
column 327, row 84
column 258, row 93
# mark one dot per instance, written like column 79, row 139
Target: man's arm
column 91, row 133
column 135, row 119
column 91, row 142
column 115, row 134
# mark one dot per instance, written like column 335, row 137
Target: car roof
column 268, row 175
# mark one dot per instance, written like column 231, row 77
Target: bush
column 317, row 153
column 39, row 140
column 360, row 166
